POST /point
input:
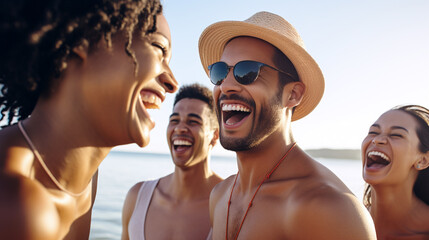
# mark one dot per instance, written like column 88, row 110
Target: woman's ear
column 82, row 50
column 423, row 163
column 293, row 94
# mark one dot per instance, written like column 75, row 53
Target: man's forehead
column 190, row 105
column 248, row 48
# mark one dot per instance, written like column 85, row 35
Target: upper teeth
column 181, row 142
column 151, row 98
column 235, row 107
column 380, row 154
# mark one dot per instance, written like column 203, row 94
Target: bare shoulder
column 331, row 210
column 133, row 193
column 218, row 192
column 128, row 208
column 27, row 210
column 215, row 179
column 134, row 190
column 221, row 189
column 131, row 198
column 15, row 155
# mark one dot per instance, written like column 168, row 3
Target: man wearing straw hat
column 264, row 79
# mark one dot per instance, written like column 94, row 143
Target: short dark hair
column 200, row 92
column 38, row 38
column 282, row 62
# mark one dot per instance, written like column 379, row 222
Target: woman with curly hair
column 77, row 77
column 396, row 167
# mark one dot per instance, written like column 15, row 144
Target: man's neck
column 192, row 183
column 255, row 163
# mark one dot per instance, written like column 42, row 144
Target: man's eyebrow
column 174, row 114
column 375, row 125
column 195, row 115
column 189, row 115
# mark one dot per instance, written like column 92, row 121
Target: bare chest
column 262, row 220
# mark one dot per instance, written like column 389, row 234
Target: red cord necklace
column 267, row 176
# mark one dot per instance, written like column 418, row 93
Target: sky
column 374, row 55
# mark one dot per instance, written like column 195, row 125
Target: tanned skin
column 99, row 103
column 394, row 135
column 302, row 199
column 179, row 207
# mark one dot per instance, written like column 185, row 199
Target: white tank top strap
column 138, row 218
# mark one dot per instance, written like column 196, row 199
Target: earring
column 418, row 166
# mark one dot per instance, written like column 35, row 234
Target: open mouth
column 150, row 100
column 234, row 113
column 377, row 160
column 181, row 145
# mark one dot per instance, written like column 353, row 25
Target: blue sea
column 121, row 170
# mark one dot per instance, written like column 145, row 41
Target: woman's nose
column 379, row 139
column 168, row 81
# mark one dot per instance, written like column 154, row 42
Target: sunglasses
column 245, row 72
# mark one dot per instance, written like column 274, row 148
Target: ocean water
column 121, row 170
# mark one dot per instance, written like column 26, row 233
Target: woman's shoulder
column 15, row 155
column 27, row 210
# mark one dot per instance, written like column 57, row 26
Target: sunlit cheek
column 169, row 132
column 149, row 63
column 157, row 67
column 216, row 96
column 216, row 92
column 364, row 146
column 365, row 142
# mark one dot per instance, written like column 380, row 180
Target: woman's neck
column 396, row 211
column 65, row 150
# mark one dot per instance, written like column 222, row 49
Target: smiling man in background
column 264, row 79
column 177, row 206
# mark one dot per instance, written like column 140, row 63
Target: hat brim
column 214, row 38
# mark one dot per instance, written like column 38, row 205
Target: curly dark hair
column 38, row 37
column 420, row 189
column 200, row 92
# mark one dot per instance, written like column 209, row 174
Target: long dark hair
column 421, row 186
column 37, row 38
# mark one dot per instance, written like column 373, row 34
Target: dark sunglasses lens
column 218, row 72
column 246, row 72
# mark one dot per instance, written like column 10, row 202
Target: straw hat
column 277, row 31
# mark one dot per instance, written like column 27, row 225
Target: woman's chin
column 140, row 135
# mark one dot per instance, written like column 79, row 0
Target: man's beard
column 267, row 122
